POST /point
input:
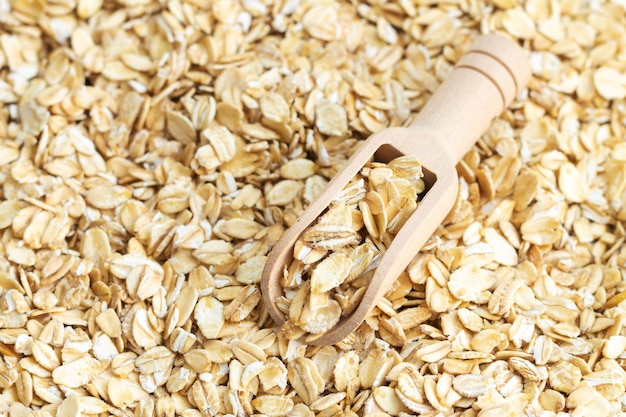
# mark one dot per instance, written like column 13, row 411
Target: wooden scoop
column 482, row 84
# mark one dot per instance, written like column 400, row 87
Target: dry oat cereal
column 153, row 152
column 335, row 258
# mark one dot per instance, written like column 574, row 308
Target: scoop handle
column 480, row 87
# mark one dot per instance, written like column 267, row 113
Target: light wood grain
column 482, row 84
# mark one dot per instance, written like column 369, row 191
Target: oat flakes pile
column 151, row 153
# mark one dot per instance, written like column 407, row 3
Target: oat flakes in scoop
column 335, row 258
